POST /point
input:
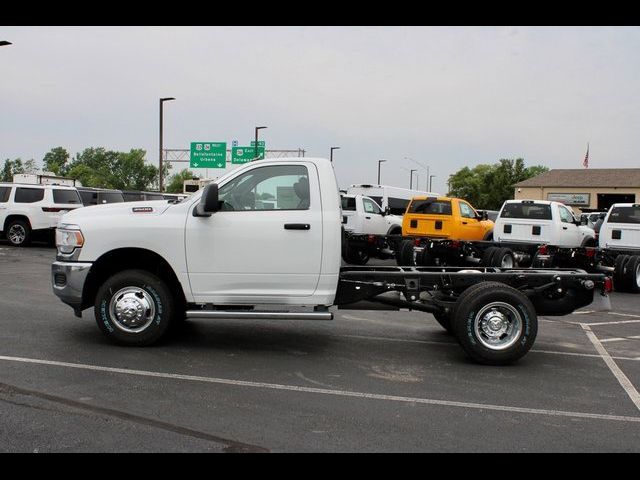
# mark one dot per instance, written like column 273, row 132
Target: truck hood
column 144, row 208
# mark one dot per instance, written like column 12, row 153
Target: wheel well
column 11, row 218
column 396, row 230
column 127, row 259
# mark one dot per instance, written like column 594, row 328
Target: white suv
column 27, row 209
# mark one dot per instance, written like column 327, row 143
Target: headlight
column 68, row 238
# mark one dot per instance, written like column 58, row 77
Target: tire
column 619, row 279
column 424, row 258
column 444, row 320
column 487, row 256
column 631, row 274
column 589, row 242
column 19, row 233
column 356, row 257
column 405, row 255
column 515, row 321
column 503, row 258
column 128, row 290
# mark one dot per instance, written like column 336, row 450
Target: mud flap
column 601, row 303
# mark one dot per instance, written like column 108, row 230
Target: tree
column 97, row 167
column 177, row 181
column 488, row 186
column 56, row 161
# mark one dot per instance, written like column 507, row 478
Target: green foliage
column 176, row 182
column 97, row 167
column 56, row 161
column 488, row 186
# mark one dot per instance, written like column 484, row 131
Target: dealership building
column 585, row 189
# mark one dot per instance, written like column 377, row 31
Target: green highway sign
column 208, row 155
column 245, row 154
column 260, row 143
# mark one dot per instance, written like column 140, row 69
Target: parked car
column 28, row 210
column 99, row 196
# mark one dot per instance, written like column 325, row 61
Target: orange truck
column 441, row 218
column 445, row 217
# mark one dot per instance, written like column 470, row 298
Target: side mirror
column 386, row 210
column 209, row 202
column 603, row 216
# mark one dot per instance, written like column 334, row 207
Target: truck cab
column 361, row 214
column 541, row 222
column 445, row 218
column 621, row 227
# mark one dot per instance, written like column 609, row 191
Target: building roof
column 586, row 177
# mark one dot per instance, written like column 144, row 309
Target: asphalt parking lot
column 364, row 382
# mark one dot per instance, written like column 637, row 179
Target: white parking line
column 324, row 391
column 609, row 323
column 618, row 339
column 619, row 374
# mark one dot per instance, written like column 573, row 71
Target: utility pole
column 160, row 183
column 411, row 180
column 379, row 162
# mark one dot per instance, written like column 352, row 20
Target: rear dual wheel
column 498, row 257
column 626, row 273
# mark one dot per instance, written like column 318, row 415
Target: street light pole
column 331, row 154
column 430, row 178
column 162, row 100
column 257, row 156
column 379, row 162
column 411, row 181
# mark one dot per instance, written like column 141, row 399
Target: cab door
column 570, row 235
column 470, row 227
column 265, row 244
column 373, row 219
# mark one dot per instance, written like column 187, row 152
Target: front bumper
column 67, row 280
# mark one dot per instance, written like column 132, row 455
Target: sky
column 417, row 97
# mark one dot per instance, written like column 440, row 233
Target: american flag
column 586, row 158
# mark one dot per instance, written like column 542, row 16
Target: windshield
column 533, row 211
column 625, row 215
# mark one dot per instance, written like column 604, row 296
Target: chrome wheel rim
column 498, row 325
column 17, row 234
column 507, row 261
column 638, row 275
column 132, row 309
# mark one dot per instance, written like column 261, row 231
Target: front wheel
column 134, row 307
column 494, row 323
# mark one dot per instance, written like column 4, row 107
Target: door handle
column 564, row 228
column 297, row 226
column 464, row 223
column 368, row 218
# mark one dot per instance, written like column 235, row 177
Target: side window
column 370, row 207
column 466, row 211
column 65, row 196
column 29, row 195
column 280, row 187
column 565, row 215
column 4, row 194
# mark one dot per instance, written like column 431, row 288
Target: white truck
column 362, row 216
column 264, row 242
column 619, row 240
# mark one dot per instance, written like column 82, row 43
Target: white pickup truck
column 362, row 216
column 264, row 242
